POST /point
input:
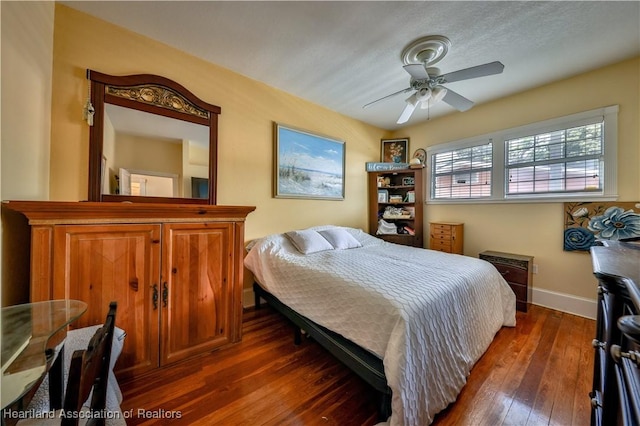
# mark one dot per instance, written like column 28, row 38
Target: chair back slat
column 89, row 370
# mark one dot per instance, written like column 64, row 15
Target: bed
column 421, row 316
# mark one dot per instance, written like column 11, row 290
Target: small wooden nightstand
column 517, row 269
column 447, row 237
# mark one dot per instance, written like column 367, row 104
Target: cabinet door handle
column 165, row 294
column 154, row 297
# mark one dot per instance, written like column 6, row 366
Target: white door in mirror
column 149, row 184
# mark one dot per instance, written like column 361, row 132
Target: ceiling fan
column 427, row 83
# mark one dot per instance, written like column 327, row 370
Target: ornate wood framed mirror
column 152, row 140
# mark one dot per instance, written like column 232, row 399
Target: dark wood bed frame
column 362, row 362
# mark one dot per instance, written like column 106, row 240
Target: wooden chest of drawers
column 447, row 237
column 517, row 270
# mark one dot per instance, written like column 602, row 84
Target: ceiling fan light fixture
column 420, row 97
column 423, row 94
column 438, row 94
column 412, row 100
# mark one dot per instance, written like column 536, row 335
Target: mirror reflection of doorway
column 150, row 184
column 154, row 145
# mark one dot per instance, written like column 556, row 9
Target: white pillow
column 340, row 239
column 308, row 241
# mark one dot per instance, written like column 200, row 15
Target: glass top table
column 26, row 347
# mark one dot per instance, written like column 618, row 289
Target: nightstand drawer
column 441, row 230
column 517, row 270
column 519, row 290
column 441, row 245
column 446, row 237
column 512, row 274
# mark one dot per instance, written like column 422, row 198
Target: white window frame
column 481, row 142
column 609, row 191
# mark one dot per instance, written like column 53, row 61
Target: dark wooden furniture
column 89, row 370
column 447, row 237
column 365, row 364
column 175, row 270
column 615, row 396
column 517, row 269
column 405, row 186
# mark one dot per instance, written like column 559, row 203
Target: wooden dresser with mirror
column 150, row 127
column 173, row 262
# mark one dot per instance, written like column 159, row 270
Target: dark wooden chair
column 89, row 370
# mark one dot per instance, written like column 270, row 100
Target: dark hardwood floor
column 536, row 373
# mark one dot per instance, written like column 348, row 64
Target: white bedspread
column 429, row 315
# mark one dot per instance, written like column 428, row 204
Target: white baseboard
column 575, row 305
column 549, row 299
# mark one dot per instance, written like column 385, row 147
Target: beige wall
column 27, row 52
column 249, row 109
column 148, row 154
column 536, row 228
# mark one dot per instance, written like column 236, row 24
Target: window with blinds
column 564, row 158
column 562, row 161
column 463, row 173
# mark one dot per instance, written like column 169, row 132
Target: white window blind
column 563, row 158
column 463, row 173
column 560, row 161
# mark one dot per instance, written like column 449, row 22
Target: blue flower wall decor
column 586, row 222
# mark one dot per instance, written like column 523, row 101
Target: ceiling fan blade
column 406, row 114
column 457, row 101
column 388, row 96
column 473, row 72
column 417, row 71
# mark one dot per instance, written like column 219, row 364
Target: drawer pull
column 504, row 273
column 617, row 354
column 598, row 344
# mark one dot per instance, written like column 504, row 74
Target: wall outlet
column 535, row 268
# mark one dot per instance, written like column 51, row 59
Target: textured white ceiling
column 345, row 54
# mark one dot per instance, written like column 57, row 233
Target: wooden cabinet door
column 198, row 284
column 102, row 263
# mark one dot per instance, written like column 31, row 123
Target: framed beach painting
column 307, row 165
